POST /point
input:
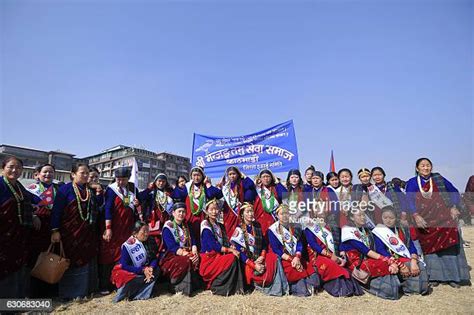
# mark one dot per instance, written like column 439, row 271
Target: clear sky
column 379, row 82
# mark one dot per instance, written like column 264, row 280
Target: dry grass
column 444, row 299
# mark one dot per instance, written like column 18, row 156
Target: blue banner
column 273, row 148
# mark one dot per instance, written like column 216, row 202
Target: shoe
column 434, row 284
column 454, row 285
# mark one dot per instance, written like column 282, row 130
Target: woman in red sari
column 220, row 267
column 262, row 268
column 434, row 202
column 285, row 242
column 336, row 279
column 136, row 274
column 16, row 221
column 181, row 259
column 359, row 245
column 236, row 189
column 344, row 194
column 157, row 205
column 198, row 192
column 73, row 221
column 120, row 217
column 270, row 193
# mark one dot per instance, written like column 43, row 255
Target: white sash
column 239, row 238
column 267, row 200
column 116, row 190
column 34, row 189
column 391, row 240
column 378, row 197
column 324, row 235
column 232, row 200
column 181, row 235
column 136, row 250
column 352, row 233
column 169, row 201
column 218, row 232
column 189, row 186
column 290, row 240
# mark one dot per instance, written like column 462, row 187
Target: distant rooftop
column 37, row 150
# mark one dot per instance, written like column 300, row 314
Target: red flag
column 332, row 166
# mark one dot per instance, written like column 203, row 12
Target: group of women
column 235, row 237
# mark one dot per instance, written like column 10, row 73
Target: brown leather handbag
column 360, row 275
column 49, row 266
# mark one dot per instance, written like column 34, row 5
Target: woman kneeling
column 286, row 243
column 359, row 245
column 220, row 268
column 181, row 261
column 135, row 275
column 262, row 269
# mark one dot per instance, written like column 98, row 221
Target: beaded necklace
column 161, row 199
column 186, row 234
column 17, row 195
column 79, row 200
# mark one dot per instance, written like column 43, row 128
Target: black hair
column 344, row 170
column 76, row 167
column 378, row 168
column 331, row 175
column 94, row 169
column 39, row 168
column 389, row 208
column 179, row 177
column 420, row 160
column 293, row 172
column 9, row 159
column 138, row 226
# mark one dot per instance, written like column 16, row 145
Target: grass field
column 443, row 299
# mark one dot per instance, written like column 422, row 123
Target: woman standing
column 120, row 217
column 308, row 174
column 236, row 189
column 16, row 221
column 469, row 200
column 325, row 200
column 296, row 195
column 332, row 181
column 270, row 193
column 198, row 191
column 385, row 195
column 262, row 269
column 181, row 260
column 73, row 220
column 434, row 202
column 44, row 192
column 179, row 188
column 220, row 267
column 344, row 194
column 158, row 203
